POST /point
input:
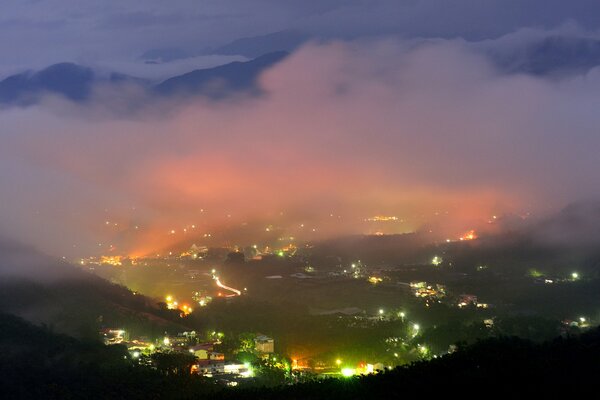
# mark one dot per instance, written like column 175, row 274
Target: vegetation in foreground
column 36, row 363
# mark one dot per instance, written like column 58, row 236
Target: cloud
column 52, row 31
column 348, row 129
column 162, row 71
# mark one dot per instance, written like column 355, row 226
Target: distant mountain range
column 220, row 81
column 70, row 80
column 548, row 56
column 553, row 55
column 76, row 82
column 256, row 46
column 249, row 47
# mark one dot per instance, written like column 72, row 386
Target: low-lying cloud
column 345, row 129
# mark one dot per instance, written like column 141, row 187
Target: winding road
column 219, row 284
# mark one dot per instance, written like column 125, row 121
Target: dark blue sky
column 38, row 32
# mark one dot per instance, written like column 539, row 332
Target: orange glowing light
column 111, row 260
column 470, row 235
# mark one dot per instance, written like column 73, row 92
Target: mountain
column 575, row 226
column 257, row 46
column 223, row 80
column 157, row 56
column 76, row 83
column 553, row 55
column 51, row 292
column 71, row 81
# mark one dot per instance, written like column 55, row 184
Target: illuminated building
column 264, row 344
column 209, row 367
column 467, row 299
column 111, row 260
column 202, row 350
column 113, row 336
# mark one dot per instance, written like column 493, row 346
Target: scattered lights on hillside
column 382, row 218
column 172, row 304
column 111, row 260
column 470, row 235
column 185, row 309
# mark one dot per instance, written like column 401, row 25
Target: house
column 208, row 367
column 264, row 344
column 202, row 350
column 467, row 299
column 237, row 368
column 213, row 355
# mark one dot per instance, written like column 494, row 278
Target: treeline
column 493, row 368
column 36, row 363
column 84, row 304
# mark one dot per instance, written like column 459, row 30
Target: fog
column 350, row 129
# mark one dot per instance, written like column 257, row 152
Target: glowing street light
column 575, row 275
column 381, row 311
column 338, row 362
column 249, row 371
column 348, row 372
